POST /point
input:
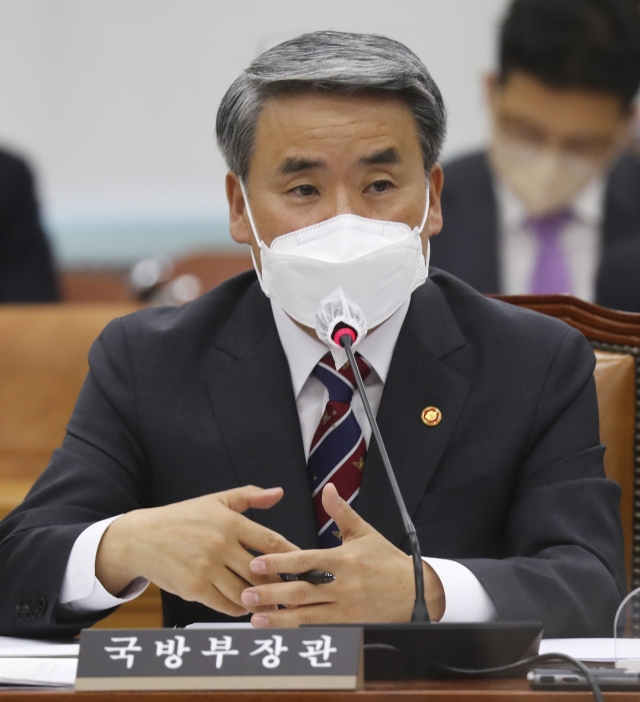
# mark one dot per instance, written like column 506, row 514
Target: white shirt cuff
column 81, row 591
column 465, row 598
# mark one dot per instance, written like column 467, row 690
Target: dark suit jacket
column 467, row 246
column 618, row 284
column 180, row 402
column 26, row 268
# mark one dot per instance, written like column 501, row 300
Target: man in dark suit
column 534, row 212
column 618, row 284
column 231, row 404
column 26, row 267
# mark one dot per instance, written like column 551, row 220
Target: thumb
column 241, row 499
column 350, row 524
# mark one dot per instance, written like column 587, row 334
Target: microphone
column 413, row 651
column 345, row 336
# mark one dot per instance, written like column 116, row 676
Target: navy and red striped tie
column 338, row 448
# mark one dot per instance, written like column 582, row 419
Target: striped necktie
column 338, row 448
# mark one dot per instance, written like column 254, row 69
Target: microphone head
column 339, row 318
column 342, row 330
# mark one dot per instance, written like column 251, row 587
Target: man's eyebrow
column 384, row 156
column 295, row 165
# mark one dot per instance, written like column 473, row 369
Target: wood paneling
column 211, row 269
column 145, row 612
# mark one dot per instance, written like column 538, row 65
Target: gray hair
column 334, row 62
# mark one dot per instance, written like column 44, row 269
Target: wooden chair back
column 43, row 362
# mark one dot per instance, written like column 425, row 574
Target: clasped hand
column 199, row 549
column 374, row 580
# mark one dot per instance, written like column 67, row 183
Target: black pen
column 315, row 577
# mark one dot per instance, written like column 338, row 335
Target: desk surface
column 429, row 691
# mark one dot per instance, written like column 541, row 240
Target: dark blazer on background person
column 26, row 266
column 181, row 402
column 467, row 246
column 618, row 284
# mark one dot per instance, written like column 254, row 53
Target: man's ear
column 434, row 220
column 239, row 225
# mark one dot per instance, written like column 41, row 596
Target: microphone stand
column 420, row 612
column 418, row 650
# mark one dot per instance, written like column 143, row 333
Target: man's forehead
column 525, row 97
column 310, row 109
column 300, row 131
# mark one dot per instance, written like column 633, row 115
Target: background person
column 554, row 189
column 26, row 265
column 619, row 278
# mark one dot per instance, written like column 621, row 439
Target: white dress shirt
column 466, row 599
column 581, row 241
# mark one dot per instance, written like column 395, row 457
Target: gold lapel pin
column 431, row 416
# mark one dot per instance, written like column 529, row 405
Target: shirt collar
column 589, row 205
column 303, row 351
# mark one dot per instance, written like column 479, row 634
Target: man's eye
column 381, row 186
column 304, row 190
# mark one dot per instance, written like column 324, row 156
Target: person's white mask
column 545, row 179
column 377, row 264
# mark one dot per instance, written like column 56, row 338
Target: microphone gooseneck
column 345, row 336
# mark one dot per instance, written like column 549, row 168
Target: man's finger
column 350, row 524
column 297, row 616
column 241, row 499
column 294, row 562
column 238, row 562
column 212, row 597
column 289, row 594
column 258, row 538
column 231, row 588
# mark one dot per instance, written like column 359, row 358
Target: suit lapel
column 417, row 378
column 252, row 398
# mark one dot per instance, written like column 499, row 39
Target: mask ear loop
column 426, row 210
column 424, row 221
column 255, row 234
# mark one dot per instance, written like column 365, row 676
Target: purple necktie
column 551, row 272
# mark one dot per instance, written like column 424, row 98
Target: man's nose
column 346, row 203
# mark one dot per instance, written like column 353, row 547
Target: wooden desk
column 432, row 691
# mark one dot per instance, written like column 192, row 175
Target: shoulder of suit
column 16, row 183
column 467, row 166
column 468, row 185
column 482, row 317
column 12, row 164
column 625, row 174
column 622, row 257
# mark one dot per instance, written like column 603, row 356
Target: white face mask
column 377, row 264
column 545, row 179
